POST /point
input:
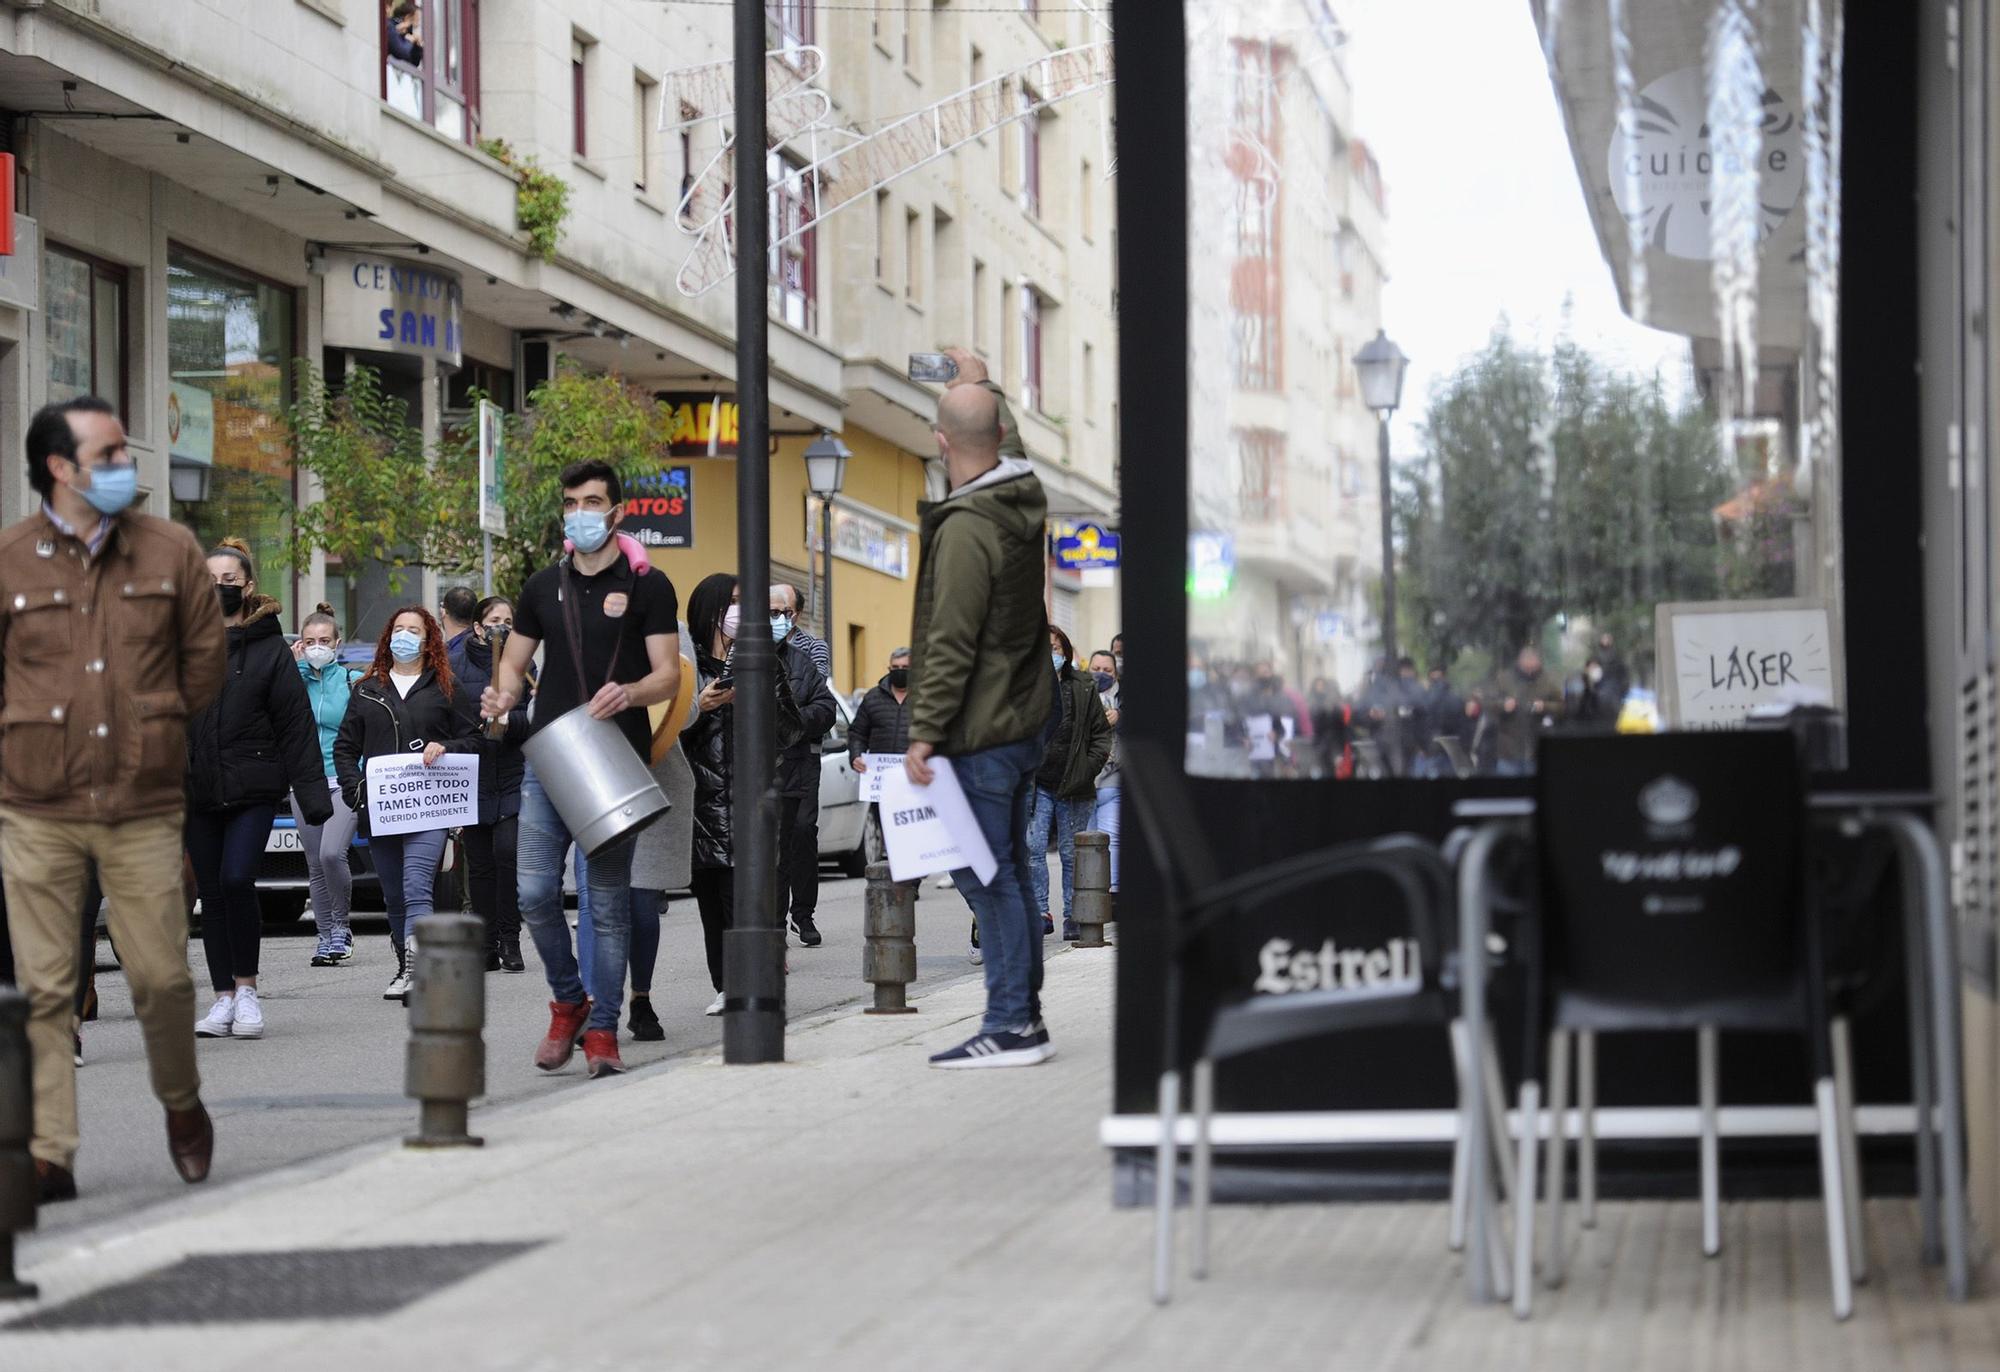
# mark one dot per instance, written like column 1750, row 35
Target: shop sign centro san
column 386, row 305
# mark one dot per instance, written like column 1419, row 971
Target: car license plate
column 283, row 841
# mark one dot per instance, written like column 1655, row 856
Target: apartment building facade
column 210, row 190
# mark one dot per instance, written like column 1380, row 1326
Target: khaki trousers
column 45, row 863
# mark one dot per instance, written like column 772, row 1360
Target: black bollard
column 19, row 1190
column 446, row 1067
column 889, row 955
column 1093, row 888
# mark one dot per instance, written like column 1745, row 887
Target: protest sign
column 871, row 780
column 406, row 797
column 930, row 828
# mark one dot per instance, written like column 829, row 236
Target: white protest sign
column 871, row 780
column 930, row 829
column 406, row 797
column 1259, row 729
column 1722, row 660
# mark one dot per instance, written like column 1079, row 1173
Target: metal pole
column 487, row 541
column 1388, row 554
column 826, row 584
column 753, row 1023
column 19, row 1191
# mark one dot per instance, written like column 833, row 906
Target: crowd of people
column 1244, row 718
column 157, row 738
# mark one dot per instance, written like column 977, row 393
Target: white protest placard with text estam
column 931, row 828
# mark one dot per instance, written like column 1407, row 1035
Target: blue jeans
column 407, row 865
column 999, row 785
column 1104, row 819
column 544, row 847
column 1067, row 817
column 645, row 951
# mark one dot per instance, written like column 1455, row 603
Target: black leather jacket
column 501, row 763
column 258, row 740
column 798, row 763
column 709, row 742
column 381, row 720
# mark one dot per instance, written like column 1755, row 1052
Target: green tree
column 376, row 500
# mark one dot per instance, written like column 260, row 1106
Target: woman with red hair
column 406, row 703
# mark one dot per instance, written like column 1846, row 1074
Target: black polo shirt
column 618, row 610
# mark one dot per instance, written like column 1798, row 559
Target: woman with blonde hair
column 249, row 748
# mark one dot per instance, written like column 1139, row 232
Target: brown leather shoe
column 54, row 1182
column 190, row 1142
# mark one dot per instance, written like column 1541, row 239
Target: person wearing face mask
column 798, row 772
column 245, row 752
column 327, row 682
column 1065, row 784
column 1104, row 809
column 108, row 617
column 610, row 637
column 490, row 845
column 708, row 739
column 882, row 725
column 407, row 703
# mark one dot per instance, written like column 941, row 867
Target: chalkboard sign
column 1722, row 661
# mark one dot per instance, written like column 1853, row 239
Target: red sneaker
column 600, row 1052
column 564, row 1022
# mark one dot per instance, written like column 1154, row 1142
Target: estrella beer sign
column 700, row 425
column 1083, row 547
column 659, row 509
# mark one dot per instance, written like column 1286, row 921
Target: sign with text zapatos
column 406, row 797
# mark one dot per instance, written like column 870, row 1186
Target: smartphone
column 932, row 367
column 724, row 683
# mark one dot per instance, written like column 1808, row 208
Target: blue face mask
column 587, row 529
column 1057, row 659
column 781, row 625
column 1105, row 681
column 1197, row 679
column 404, row 645
column 112, row 488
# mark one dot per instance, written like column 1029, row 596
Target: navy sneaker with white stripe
column 1023, row 1047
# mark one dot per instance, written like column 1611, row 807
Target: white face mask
column 320, row 655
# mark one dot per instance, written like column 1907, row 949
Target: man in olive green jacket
column 980, row 694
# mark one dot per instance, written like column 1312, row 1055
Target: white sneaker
column 978, row 958
column 221, row 1017
column 399, row 985
column 715, row 1006
column 249, row 1014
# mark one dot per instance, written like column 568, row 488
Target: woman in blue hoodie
column 328, row 680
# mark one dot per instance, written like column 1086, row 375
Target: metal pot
column 599, row 786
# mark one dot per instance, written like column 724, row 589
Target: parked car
column 848, row 836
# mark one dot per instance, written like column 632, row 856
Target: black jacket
column 798, row 764
column 382, row 721
column 709, row 742
column 258, row 739
column 501, row 763
column 881, row 725
column 1082, row 742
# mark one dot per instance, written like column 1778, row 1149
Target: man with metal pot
column 611, row 638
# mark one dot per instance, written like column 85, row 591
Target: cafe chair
column 1198, row 899
column 1673, row 895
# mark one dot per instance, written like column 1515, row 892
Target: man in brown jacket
column 110, row 638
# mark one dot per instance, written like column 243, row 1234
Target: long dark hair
column 431, row 656
column 706, row 607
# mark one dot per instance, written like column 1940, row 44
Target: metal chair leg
column 1524, row 1202
column 1496, row 1116
column 1850, row 1147
column 1455, row 1240
column 1552, row 1182
column 1586, row 1109
column 1201, row 1183
column 1834, row 1190
column 1711, row 1148
column 1166, row 1160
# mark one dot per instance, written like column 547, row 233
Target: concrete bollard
column 889, row 954
column 446, row 1066
column 1093, row 887
column 19, row 1191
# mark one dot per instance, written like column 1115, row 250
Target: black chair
column 1197, row 898
column 1674, row 896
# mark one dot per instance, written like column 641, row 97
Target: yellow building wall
column 871, row 609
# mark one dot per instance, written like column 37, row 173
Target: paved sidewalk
column 853, row 1209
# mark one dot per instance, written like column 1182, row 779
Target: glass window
column 1031, row 151
column 793, row 19
column 1574, row 463
column 430, row 63
column 1031, row 348
column 230, row 344
column 794, row 245
column 84, row 322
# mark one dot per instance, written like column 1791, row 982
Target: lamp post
column 826, row 472
column 1380, row 365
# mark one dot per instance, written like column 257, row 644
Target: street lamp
column 1380, row 365
column 826, row 473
